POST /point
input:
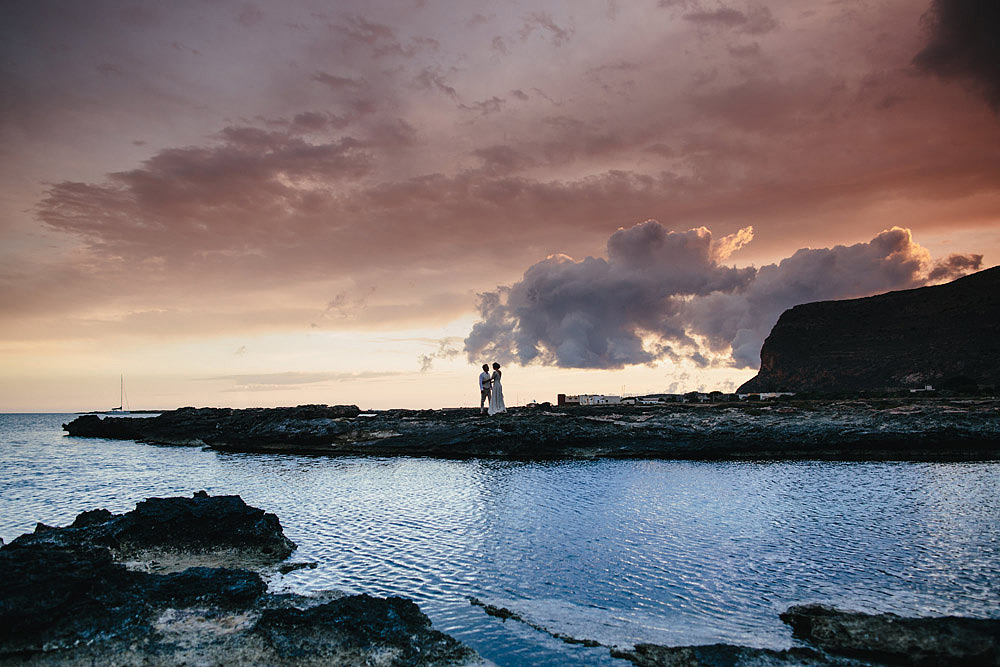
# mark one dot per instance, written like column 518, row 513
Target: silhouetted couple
column 491, row 390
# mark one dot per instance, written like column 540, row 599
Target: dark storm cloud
column 593, row 314
column 964, row 43
column 954, row 266
column 663, row 294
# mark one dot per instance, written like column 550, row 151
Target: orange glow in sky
column 263, row 203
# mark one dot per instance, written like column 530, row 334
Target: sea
column 620, row 552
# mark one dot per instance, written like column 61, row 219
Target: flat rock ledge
column 883, row 429
column 175, row 582
column 830, row 638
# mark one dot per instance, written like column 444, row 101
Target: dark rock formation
column 849, row 430
column 66, row 597
column 303, row 425
column 836, row 639
column 358, row 626
column 895, row 639
column 173, row 533
column 942, row 335
column 723, row 655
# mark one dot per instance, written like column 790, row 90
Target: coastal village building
column 660, row 399
column 593, row 399
column 599, row 399
column 764, row 395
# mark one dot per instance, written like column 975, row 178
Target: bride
column 496, row 394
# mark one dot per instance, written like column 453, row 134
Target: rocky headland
column 178, row 581
column 945, row 336
column 882, row 429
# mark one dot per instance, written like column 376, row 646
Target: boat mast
column 123, row 397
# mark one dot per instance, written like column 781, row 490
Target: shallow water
column 667, row 552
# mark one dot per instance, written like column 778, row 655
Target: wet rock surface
column 723, row 655
column 895, row 639
column 72, row 596
column 831, row 638
column 878, row 429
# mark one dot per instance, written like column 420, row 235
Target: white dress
column 496, row 395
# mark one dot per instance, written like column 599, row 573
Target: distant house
column 927, row 387
column 599, row 399
column 563, row 399
column 655, row 399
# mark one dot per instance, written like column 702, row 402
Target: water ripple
column 618, row 551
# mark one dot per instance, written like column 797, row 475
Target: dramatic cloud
column 234, row 168
column 229, row 198
column 665, row 294
column 964, row 44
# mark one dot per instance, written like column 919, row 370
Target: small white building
column 599, row 399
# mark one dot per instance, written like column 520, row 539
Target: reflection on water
column 619, row 551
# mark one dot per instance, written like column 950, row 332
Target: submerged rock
column 834, row 638
column 722, row 655
column 888, row 429
column 83, row 595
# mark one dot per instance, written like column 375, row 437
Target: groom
column 484, row 387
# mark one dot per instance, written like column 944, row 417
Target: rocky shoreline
column 877, row 429
column 178, row 581
column 829, row 637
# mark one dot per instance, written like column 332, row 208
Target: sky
column 244, row 204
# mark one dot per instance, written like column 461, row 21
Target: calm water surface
column 618, row 551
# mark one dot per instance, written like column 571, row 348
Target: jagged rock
column 175, row 533
column 833, row 430
column 357, row 625
column 887, row 637
column 68, row 598
column 941, row 335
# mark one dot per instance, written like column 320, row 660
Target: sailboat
column 123, row 406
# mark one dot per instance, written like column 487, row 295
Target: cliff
column 946, row 335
